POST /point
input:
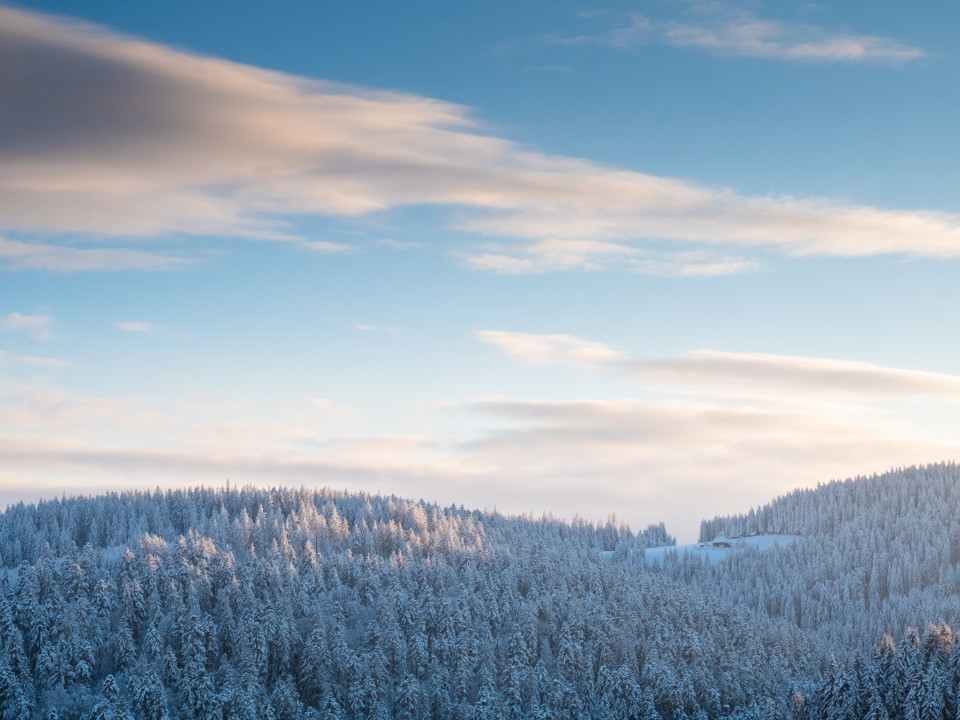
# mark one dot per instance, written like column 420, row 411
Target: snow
column 654, row 556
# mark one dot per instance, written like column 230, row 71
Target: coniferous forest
column 287, row 604
column 401, row 270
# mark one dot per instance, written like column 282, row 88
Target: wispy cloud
column 38, row 326
column 32, row 360
column 61, row 258
column 138, row 326
column 145, row 140
column 790, row 376
column 695, row 264
column 554, row 254
column 325, row 247
column 387, row 329
column 399, row 245
column 800, row 376
column 536, row 349
column 724, row 29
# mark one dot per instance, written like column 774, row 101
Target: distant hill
column 877, row 555
column 214, row 604
column 286, row 604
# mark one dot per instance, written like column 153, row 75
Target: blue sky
column 666, row 259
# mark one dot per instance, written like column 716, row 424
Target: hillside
column 876, row 555
column 289, row 604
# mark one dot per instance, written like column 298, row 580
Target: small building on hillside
column 721, row 541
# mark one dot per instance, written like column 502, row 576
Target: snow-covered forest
column 287, row 604
column 919, row 679
column 876, row 555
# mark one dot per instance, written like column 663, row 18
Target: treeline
column 115, row 520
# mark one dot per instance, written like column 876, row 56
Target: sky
column 664, row 259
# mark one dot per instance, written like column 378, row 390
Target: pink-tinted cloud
column 141, row 139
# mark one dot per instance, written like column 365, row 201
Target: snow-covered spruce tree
column 916, row 680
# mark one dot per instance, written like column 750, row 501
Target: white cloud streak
column 137, row 326
column 40, row 327
column 325, row 247
column 59, row 258
column 799, row 375
column 737, row 32
column 726, row 30
column 785, row 375
column 30, row 360
column 142, row 140
column 552, row 255
column 399, row 245
column 535, row 349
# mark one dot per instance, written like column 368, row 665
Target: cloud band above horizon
column 787, row 375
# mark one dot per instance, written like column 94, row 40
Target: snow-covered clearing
column 715, row 553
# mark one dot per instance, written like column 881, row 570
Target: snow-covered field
column 654, row 556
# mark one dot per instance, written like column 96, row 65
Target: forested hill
column 241, row 519
column 215, row 604
column 877, row 555
column 900, row 504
